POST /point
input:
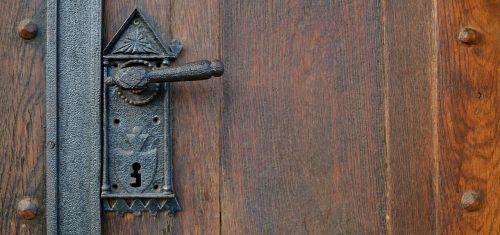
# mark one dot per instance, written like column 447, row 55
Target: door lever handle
column 137, row 77
column 137, row 170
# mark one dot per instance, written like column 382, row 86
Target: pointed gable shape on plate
column 136, row 40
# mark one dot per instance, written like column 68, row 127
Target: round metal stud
column 27, row 208
column 472, row 200
column 27, row 29
column 468, row 36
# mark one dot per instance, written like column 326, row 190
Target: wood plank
column 469, row 98
column 197, row 108
column 410, row 130
column 303, row 120
column 115, row 13
column 22, row 160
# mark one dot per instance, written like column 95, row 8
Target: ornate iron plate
column 137, row 172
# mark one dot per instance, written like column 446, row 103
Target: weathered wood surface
column 469, row 116
column 410, row 111
column 197, row 109
column 22, row 85
column 333, row 117
column 303, row 120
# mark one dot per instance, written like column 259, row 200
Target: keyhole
column 136, row 176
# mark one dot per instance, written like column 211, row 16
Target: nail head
column 472, row 200
column 27, row 29
column 27, row 209
column 468, row 36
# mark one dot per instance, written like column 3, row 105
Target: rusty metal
column 27, row 208
column 472, row 200
column 27, row 29
column 468, row 36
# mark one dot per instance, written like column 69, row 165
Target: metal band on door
column 109, row 143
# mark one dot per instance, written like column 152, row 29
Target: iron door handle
column 137, row 170
column 138, row 77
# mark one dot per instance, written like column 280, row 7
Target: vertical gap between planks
column 387, row 172
column 221, row 110
column 169, row 227
column 435, row 117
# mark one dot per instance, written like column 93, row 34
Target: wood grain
column 197, row 108
column 469, row 118
column 333, row 117
column 22, row 161
column 409, row 62
column 303, row 126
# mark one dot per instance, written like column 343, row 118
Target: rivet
column 27, row 208
column 27, row 29
column 468, row 36
column 52, row 144
column 472, row 200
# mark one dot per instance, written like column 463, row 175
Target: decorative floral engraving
column 137, row 139
column 140, row 148
column 137, row 167
column 136, row 43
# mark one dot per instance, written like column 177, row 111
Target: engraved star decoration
column 135, row 43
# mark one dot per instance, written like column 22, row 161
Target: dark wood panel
column 469, row 98
column 22, row 107
column 197, row 108
column 410, row 110
column 303, row 118
column 115, row 13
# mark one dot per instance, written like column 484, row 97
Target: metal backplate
column 137, row 166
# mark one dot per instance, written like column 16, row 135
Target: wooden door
column 332, row 117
